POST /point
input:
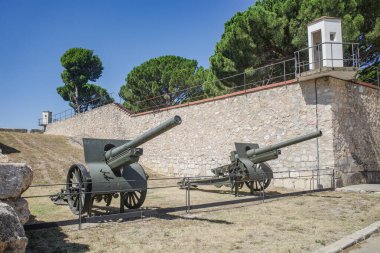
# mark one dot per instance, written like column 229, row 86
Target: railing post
column 244, row 80
column 80, row 208
column 299, row 63
column 187, row 194
column 333, row 178
column 188, row 198
column 284, row 71
column 332, row 55
column 319, row 56
column 295, row 65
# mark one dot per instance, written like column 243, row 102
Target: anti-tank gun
column 248, row 166
column 111, row 169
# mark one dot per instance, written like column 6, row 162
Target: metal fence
column 69, row 113
column 251, row 78
column 322, row 55
column 80, row 193
column 313, row 58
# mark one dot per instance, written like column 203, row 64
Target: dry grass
column 50, row 156
column 292, row 224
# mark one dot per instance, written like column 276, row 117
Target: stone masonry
column 347, row 113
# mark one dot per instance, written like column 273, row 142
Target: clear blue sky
column 124, row 34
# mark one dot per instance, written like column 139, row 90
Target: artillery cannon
column 248, row 166
column 111, row 169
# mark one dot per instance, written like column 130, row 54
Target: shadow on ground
column 175, row 217
column 241, row 193
column 6, row 150
column 51, row 240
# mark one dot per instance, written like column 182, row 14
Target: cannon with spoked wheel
column 248, row 166
column 111, row 170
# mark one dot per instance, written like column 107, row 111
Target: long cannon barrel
column 279, row 145
column 147, row 136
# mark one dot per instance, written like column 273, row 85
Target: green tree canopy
column 90, row 96
column 163, row 81
column 273, row 29
column 80, row 66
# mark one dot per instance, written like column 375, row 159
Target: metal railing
column 261, row 195
column 311, row 58
column 251, row 78
column 322, row 55
column 69, row 113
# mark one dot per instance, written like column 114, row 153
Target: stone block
column 12, row 234
column 21, row 208
column 15, row 178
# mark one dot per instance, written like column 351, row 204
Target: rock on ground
column 20, row 206
column 12, row 234
column 15, row 178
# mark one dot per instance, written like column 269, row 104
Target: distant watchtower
column 45, row 119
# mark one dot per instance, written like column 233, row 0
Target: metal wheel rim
column 258, row 185
column 75, row 185
column 134, row 199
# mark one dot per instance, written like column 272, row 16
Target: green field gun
column 248, row 166
column 112, row 170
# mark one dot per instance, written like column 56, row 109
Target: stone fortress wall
column 347, row 113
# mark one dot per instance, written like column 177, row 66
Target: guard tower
column 46, row 118
column 325, row 42
column 327, row 54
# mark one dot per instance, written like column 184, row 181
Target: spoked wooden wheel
column 134, row 199
column 255, row 185
column 78, row 189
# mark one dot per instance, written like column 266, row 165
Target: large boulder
column 12, row 234
column 15, row 178
column 20, row 206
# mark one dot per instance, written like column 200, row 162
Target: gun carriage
column 111, row 170
column 248, row 166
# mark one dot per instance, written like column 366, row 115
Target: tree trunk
column 77, row 99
